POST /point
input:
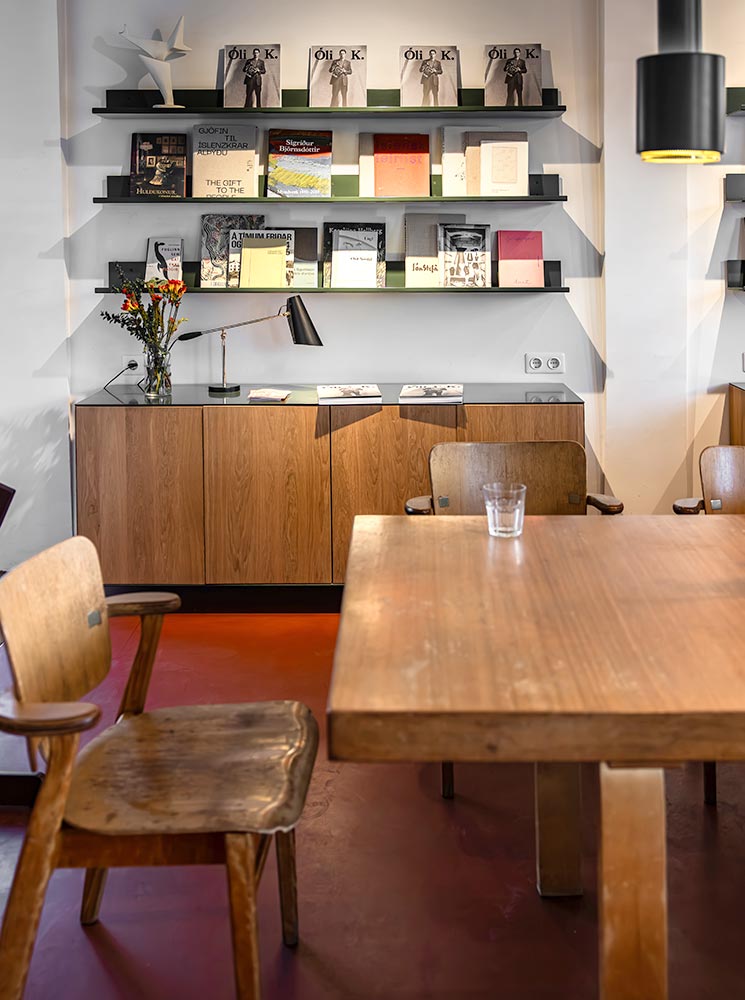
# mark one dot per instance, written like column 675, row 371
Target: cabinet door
column 379, row 457
column 522, row 422
column 140, row 491
column 267, row 490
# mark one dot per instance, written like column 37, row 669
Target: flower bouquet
column 149, row 312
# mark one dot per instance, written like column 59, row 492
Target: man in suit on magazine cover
column 253, row 68
column 431, row 70
column 340, row 70
column 514, row 70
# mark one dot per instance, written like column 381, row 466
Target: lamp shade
column 300, row 323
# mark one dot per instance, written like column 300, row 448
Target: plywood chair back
column 59, row 648
column 555, row 473
column 723, row 479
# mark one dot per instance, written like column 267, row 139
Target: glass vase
column 157, row 373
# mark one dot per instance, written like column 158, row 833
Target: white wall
column 34, row 364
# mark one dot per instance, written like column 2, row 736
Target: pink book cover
column 519, row 244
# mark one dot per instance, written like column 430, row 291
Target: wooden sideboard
column 213, row 491
column 737, row 413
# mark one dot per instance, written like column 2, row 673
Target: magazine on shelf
column 214, row 244
column 497, row 163
column 165, row 256
column 453, row 162
column 349, row 394
column 252, row 76
column 236, row 246
column 337, row 76
column 465, row 256
column 306, row 257
column 512, row 75
column 224, row 162
column 422, row 264
column 520, row 258
column 329, row 228
column 354, row 258
column 367, row 165
column 435, row 392
column 401, row 165
column 298, row 164
column 267, row 258
column 158, row 165
column 429, row 76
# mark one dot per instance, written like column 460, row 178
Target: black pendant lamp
column 680, row 95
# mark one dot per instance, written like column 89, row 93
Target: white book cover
column 224, row 164
column 512, row 75
column 252, row 76
column 433, row 392
column 269, row 395
column 338, row 76
column 354, row 258
column 429, row 76
column 422, row 268
column 367, row 165
column 353, row 393
column 504, row 169
column 453, row 163
column 235, row 249
column 165, row 255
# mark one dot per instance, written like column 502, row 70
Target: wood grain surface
column 379, row 457
column 722, row 470
column 736, row 399
column 585, row 639
column 522, row 422
column 268, row 488
column 140, row 495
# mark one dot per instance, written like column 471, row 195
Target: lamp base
column 224, row 390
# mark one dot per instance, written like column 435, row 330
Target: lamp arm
column 282, row 311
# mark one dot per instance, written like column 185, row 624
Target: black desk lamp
column 301, row 326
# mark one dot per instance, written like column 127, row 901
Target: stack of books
column 432, row 392
column 349, row 394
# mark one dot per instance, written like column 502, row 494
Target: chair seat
column 197, row 769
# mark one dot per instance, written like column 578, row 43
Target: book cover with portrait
column 252, row 76
column 337, row 76
column 158, row 165
column 429, row 76
column 512, row 77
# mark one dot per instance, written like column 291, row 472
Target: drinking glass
column 505, row 508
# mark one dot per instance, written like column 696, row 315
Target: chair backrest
column 6, row 495
column 555, row 473
column 723, row 479
column 56, row 627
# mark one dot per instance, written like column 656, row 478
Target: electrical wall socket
column 551, row 363
column 134, row 374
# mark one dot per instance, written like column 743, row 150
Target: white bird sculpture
column 156, row 56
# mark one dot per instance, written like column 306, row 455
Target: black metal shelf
column 736, row 102
column 208, row 103
column 736, row 274
column 734, row 187
column 395, row 276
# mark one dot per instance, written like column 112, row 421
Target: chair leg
column 448, row 780
column 287, row 886
column 34, row 869
column 240, row 859
column 710, row 782
column 95, row 883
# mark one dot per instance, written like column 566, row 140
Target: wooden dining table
column 617, row 641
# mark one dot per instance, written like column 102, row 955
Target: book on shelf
column 366, row 165
column 349, row 394
column 429, row 76
column 337, row 76
column 434, row 392
column 422, row 264
column 165, row 258
column 269, row 395
column 520, row 258
column 263, row 263
column 329, row 228
column 298, row 164
column 464, row 254
column 453, row 162
column 354, row 258
column 497, row 163
column 306, row 257
column 401, row 165
column 512, row 75
column 224, row 162
column 214, row 246
column 251, row 273
column 252, row 76
column 158, row 164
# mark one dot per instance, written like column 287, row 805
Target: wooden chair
column 555, row 473
column 206, row 784
column 722, row 470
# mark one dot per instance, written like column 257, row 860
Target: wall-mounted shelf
column 395, row 276
column 736, row 102
column 734, row 187
column 542, row 188
column 736, row 274
column 208, row 103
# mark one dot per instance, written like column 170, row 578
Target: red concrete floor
column 402, row 895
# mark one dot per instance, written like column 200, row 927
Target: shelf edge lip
column 368, row 291
column 538, row 111
column 339, row 199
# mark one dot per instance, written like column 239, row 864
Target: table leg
column 558, row 815
column 632, row 887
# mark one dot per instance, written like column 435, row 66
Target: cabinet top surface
column 305, row 395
